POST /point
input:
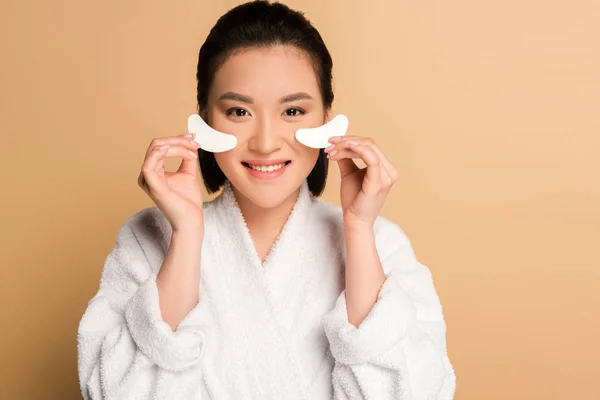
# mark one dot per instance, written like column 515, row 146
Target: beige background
column 489, row 110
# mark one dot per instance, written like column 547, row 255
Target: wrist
column 188, row 235
column 359, row 236
column 354, row 223
column 358, row 227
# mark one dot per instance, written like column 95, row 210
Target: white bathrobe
column 262, row 331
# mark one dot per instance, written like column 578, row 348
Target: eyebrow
column 236, row 96
column 247, row 99
column 295, row 96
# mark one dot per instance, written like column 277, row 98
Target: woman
column 266, row 292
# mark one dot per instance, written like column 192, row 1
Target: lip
column 266, row 175
column 265, row 163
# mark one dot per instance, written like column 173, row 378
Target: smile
column 266, row 170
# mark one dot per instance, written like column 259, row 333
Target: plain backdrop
column 488, row 110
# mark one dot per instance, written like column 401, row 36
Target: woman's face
column 262, row 96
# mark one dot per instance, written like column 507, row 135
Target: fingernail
column 188, row 135
column 332, row 153
column 193, row 154
column 334, row 139
column 328, row 148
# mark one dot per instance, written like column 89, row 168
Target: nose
column 265, row 138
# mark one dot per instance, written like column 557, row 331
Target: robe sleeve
column 399, row 350
column 125, row 348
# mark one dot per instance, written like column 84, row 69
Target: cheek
column 226, row 160
column 309, row 156
column 311, row 153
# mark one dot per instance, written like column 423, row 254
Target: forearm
column 178, row 281
column 364, row 272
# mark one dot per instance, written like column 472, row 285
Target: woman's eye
column 292, row 112
column 239, row 112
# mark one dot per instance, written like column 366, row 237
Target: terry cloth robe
column 261, row 331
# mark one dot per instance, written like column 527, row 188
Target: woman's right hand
column 176, row 194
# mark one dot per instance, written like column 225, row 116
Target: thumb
column 347, row 166
column 189, row 164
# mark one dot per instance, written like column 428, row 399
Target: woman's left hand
column 363, row 190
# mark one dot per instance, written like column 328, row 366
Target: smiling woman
column 264, row 118
column 266, row 292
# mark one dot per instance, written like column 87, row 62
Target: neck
column 265, row 223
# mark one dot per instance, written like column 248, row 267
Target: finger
column 344, row 157
column 344, row 160
column 188, row 143
column 341, row 151
column 372, row 183
column 155, row 164
column 347, row 166
column 388, row 167
column 189, row 163
column 142, row 182
column 182, row 140
column 151, row 168
column 176, row 151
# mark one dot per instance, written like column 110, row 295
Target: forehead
column 266, row 73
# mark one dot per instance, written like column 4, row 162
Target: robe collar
column 256, row 303
column 293, row 229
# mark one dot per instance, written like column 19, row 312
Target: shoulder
column 145, row 234
column 390, row 238
column 330, row 214
column 148, row 224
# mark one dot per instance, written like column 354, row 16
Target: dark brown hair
column 261, row 24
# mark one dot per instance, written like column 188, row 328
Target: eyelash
column 300, row 111
column 234, row 109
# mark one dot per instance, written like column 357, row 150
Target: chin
column 266, row 199
column 265, row 191
column 265, row 196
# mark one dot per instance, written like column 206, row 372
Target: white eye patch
column 214, row 141
column 318, row 138
column 208, row 138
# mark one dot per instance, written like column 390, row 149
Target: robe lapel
column 255, row 341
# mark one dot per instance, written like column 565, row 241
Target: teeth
column 264, row 168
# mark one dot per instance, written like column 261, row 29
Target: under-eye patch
column 208, row 138
column 214, row 141
column 318, row 137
